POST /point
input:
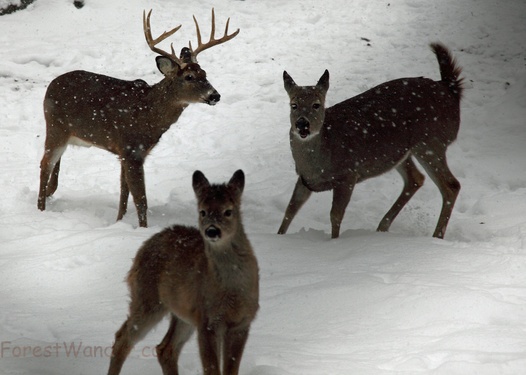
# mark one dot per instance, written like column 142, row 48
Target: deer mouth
column 213, row 233
column 303, row 127
column 303, row 133
column 210, row 102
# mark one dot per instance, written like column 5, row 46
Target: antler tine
column 152, row 42
column 213, row 31
column 198, row 32
column 213, row 41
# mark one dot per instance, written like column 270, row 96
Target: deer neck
column 164, row 104
column 311, row 156
column 232, row 261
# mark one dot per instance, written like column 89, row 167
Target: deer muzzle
column 213, row 98
column 213, row 233
column 303, row 127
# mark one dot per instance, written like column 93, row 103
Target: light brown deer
column 126, row 118
column 206, row 278
column 369, row 134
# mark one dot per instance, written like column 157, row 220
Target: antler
column 212, row 42
column 152, row 42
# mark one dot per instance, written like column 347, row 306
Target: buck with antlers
column 372, row 133
column 126, row 118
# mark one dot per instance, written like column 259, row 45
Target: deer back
column 375, row 130
column 378, row 127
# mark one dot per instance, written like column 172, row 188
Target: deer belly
column 317, row 185
column 74, row 141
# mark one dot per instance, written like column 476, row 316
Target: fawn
column 206, row 279
column 126, row 118
column 365, row 136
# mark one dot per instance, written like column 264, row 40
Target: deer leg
column 234, row 344
column 49, row 164
column 134, row 173
column 341, row 197
column 53, row 181
column 209, row 350
column 125, row 193
column 413, row 180
column 169, row 349
column 435, row 164
column 299, row 197
column 138, row 324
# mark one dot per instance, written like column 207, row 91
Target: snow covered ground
column 367, row 303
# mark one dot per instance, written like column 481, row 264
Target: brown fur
column 126, row 118
column 369, row 134
column 206, row 278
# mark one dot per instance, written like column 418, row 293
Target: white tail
column 369, row 134
column 206, row 278
column 126, row 118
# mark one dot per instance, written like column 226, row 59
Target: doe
column 206, row 279
column 126, row 118
column 367, row 135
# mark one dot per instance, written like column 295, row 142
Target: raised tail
column 449, row 69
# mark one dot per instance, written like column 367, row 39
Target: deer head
column 307, row 105
column 218, row 206
column 185, row 69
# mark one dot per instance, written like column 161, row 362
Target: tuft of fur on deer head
column 365, row 136
column 126, row 118
column 205, row 278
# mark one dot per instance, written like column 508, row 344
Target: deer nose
column 214, row 98
column 302, row 123
column 213, row 233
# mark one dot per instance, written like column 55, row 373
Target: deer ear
column 238, row 181
column 166, row 66
column 323, row 83
column 288, row 81
column 199, row 182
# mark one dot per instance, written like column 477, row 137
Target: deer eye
column 316, row 106
column 293, row 106
column 228, row 213
column 202, row 213
column 189, row 77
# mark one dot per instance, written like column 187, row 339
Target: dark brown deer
column 369, row 134
column 206, row 278
column 126, row 118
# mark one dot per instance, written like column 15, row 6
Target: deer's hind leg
column 432, row 156
column 169, row 349
column 49, row 169
column 53, row 180
column 57, row 138
column 140, row 321
column 413, row 180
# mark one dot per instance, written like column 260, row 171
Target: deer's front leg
column 209, row 350
column 342, row 192
column 299, row 197
column 134, row 174
column 234, row 344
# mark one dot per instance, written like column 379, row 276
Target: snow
column 366, row 303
